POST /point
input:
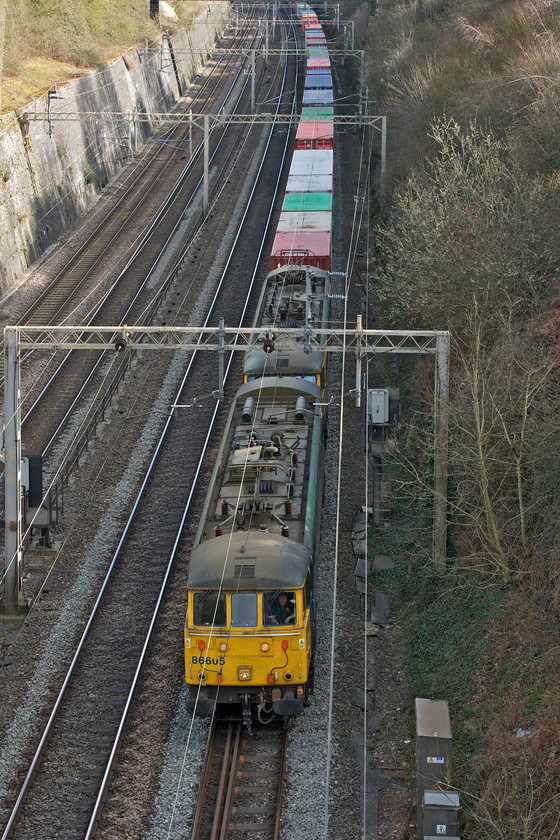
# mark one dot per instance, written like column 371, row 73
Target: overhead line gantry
column 220, row 340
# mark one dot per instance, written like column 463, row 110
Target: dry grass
column 35, row 77
column 498, row 62
column 63, row 40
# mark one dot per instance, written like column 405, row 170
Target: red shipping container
column 318, row 63
column 314, row 135
column 301, row 249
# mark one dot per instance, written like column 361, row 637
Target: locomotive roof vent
column 244, row 571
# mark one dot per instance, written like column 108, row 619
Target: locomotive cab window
column 244, row 609
column 280, row 608
column 209, row 608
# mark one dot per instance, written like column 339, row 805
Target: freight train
column 250, row 622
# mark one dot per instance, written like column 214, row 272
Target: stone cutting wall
column 50, row 173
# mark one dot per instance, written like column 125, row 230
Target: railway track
column 132, row 297
column 58, row 299
column 129, row 295
column 242, row 783
column 70, row 773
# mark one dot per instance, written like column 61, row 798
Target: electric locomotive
column 250, row 618
column 293, row 296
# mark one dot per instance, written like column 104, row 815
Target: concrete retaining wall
column 50, row 173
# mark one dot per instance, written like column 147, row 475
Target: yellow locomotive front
column 250, row 617
column 248, row 625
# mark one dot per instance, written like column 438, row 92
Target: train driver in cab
column 280, row 609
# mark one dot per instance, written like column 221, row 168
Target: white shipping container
column 312, row 220
column 312, row 162
column 309, row 183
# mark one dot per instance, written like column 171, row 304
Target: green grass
column 445, row 625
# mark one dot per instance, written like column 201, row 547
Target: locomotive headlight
column 265, row 646
column 244, row 673
column 223, row 647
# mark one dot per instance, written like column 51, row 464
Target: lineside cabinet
column 433, row 752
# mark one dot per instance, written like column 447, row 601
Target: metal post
column 377, row 467
column 206, row 156
column 252, row 81
column 12, row 473
column 221, row 352
column 190, row 134
column 338, row 15
column 441, row 442
column 352, row 22
column 359, row 343
column 360, row 105
column 383, row 155
column 363, row 66
column 266, row 42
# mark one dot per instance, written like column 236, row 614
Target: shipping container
column 318, row 97
column 312, row 221
column 307, row 201
column 317, row 113
column 315, row 135
column 309, row 183
column 318, row 63
column 312, row 162
column 301, row 249
column 322, row 82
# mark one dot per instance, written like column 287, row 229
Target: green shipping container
column 317, row 112
column 300, row 202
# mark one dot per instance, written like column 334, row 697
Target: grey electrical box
column 378, row 405
column 441, row 813
column 433, row 751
